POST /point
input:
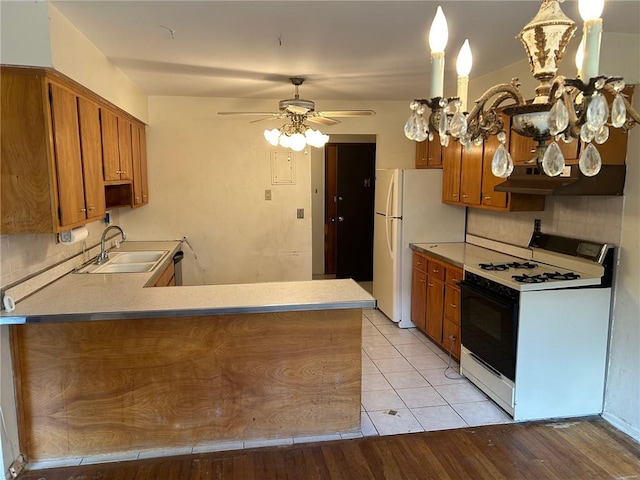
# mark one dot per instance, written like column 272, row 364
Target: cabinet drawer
column 454, row 275
column 452, row 304
column 420, row 262
column 436, row 270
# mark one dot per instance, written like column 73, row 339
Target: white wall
column 76, row 57
column 622, row 397
column 34, row 33
column 24, row 28
column 207, row 177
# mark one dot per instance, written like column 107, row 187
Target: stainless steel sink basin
column 128, row 262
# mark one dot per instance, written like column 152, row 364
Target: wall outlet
column 17, row 466
column 107, row 217
column 267, row 194
column 301, row 213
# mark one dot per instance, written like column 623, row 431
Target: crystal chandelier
column 296, row 135
column 564, row 109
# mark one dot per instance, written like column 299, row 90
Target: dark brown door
column 349, row 193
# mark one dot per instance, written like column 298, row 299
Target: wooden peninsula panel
column 89, row 388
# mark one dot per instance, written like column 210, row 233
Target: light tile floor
column 406, row 387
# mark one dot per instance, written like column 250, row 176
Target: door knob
column 341, row 219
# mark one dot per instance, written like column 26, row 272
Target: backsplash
column 596, row 218
column 24, row 255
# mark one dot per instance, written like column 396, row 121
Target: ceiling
column 347, row 50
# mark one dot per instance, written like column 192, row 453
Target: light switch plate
column 301, row 213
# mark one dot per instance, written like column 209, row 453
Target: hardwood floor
column 573, row 449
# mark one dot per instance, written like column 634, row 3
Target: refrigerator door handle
column 389, row 193
column 389, row 245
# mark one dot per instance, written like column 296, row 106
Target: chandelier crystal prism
column 563, row 109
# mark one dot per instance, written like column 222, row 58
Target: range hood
column 530, row 180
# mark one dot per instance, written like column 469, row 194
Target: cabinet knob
column 465, row 196
column 422, row 280
column 453, row 305
column 436, row 271
column 430, row 284
column 454, row 195
column 487, row 197
column 82, row 210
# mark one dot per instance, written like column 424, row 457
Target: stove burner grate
column 499, row 267
column 523, row 266
column 529, row 278
column 562, row 276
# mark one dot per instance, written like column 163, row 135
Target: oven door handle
column 502, row 301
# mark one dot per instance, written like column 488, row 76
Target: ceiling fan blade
column 347, row 113
column 264, row 114
column 275, row 117
column 322, row 120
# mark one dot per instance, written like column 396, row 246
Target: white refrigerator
column 408, row 209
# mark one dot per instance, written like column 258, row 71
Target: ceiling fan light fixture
column 272, row 136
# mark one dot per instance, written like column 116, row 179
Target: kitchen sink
column 128, row 262
column 137, row 257
column 125, row 267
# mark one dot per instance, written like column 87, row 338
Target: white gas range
column 535, row 329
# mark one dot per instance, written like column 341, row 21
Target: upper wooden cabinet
column 468, row 181
column 139, row 151
column 52, row 151
column 429, row 153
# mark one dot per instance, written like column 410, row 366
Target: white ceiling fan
column 299, row 110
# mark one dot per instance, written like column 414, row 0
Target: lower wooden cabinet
column 435, row 300
column 167, row 278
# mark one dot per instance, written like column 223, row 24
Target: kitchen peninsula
column 104, row 365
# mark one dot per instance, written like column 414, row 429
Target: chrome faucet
column 104, row 253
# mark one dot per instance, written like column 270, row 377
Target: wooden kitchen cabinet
column 117, row 148
column 167, row 278
column 435, row 300
column 451, row 171
column 51, row 168
column 429, row 153
column 140, row 183
column 467, row 180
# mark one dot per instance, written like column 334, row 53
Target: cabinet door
column 490, row 197
column 143, row 165
column 435, row 300
column 419, row 299
column 137, row 167
column 471, row 176
column 522, row 150
column 90, row 141
column 434, row 159
column 125, row 149
column 452, row 304
column 422, row 153
column 451, row 165
column 110, row 148
column 66, row 143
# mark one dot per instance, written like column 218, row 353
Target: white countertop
column 84, row 296
column 462, row 254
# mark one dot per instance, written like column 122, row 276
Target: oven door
column 489, row 327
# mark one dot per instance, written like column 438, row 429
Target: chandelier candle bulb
column 463, row 67
column 438, row 37
column 580, row 58
column 590, row 11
